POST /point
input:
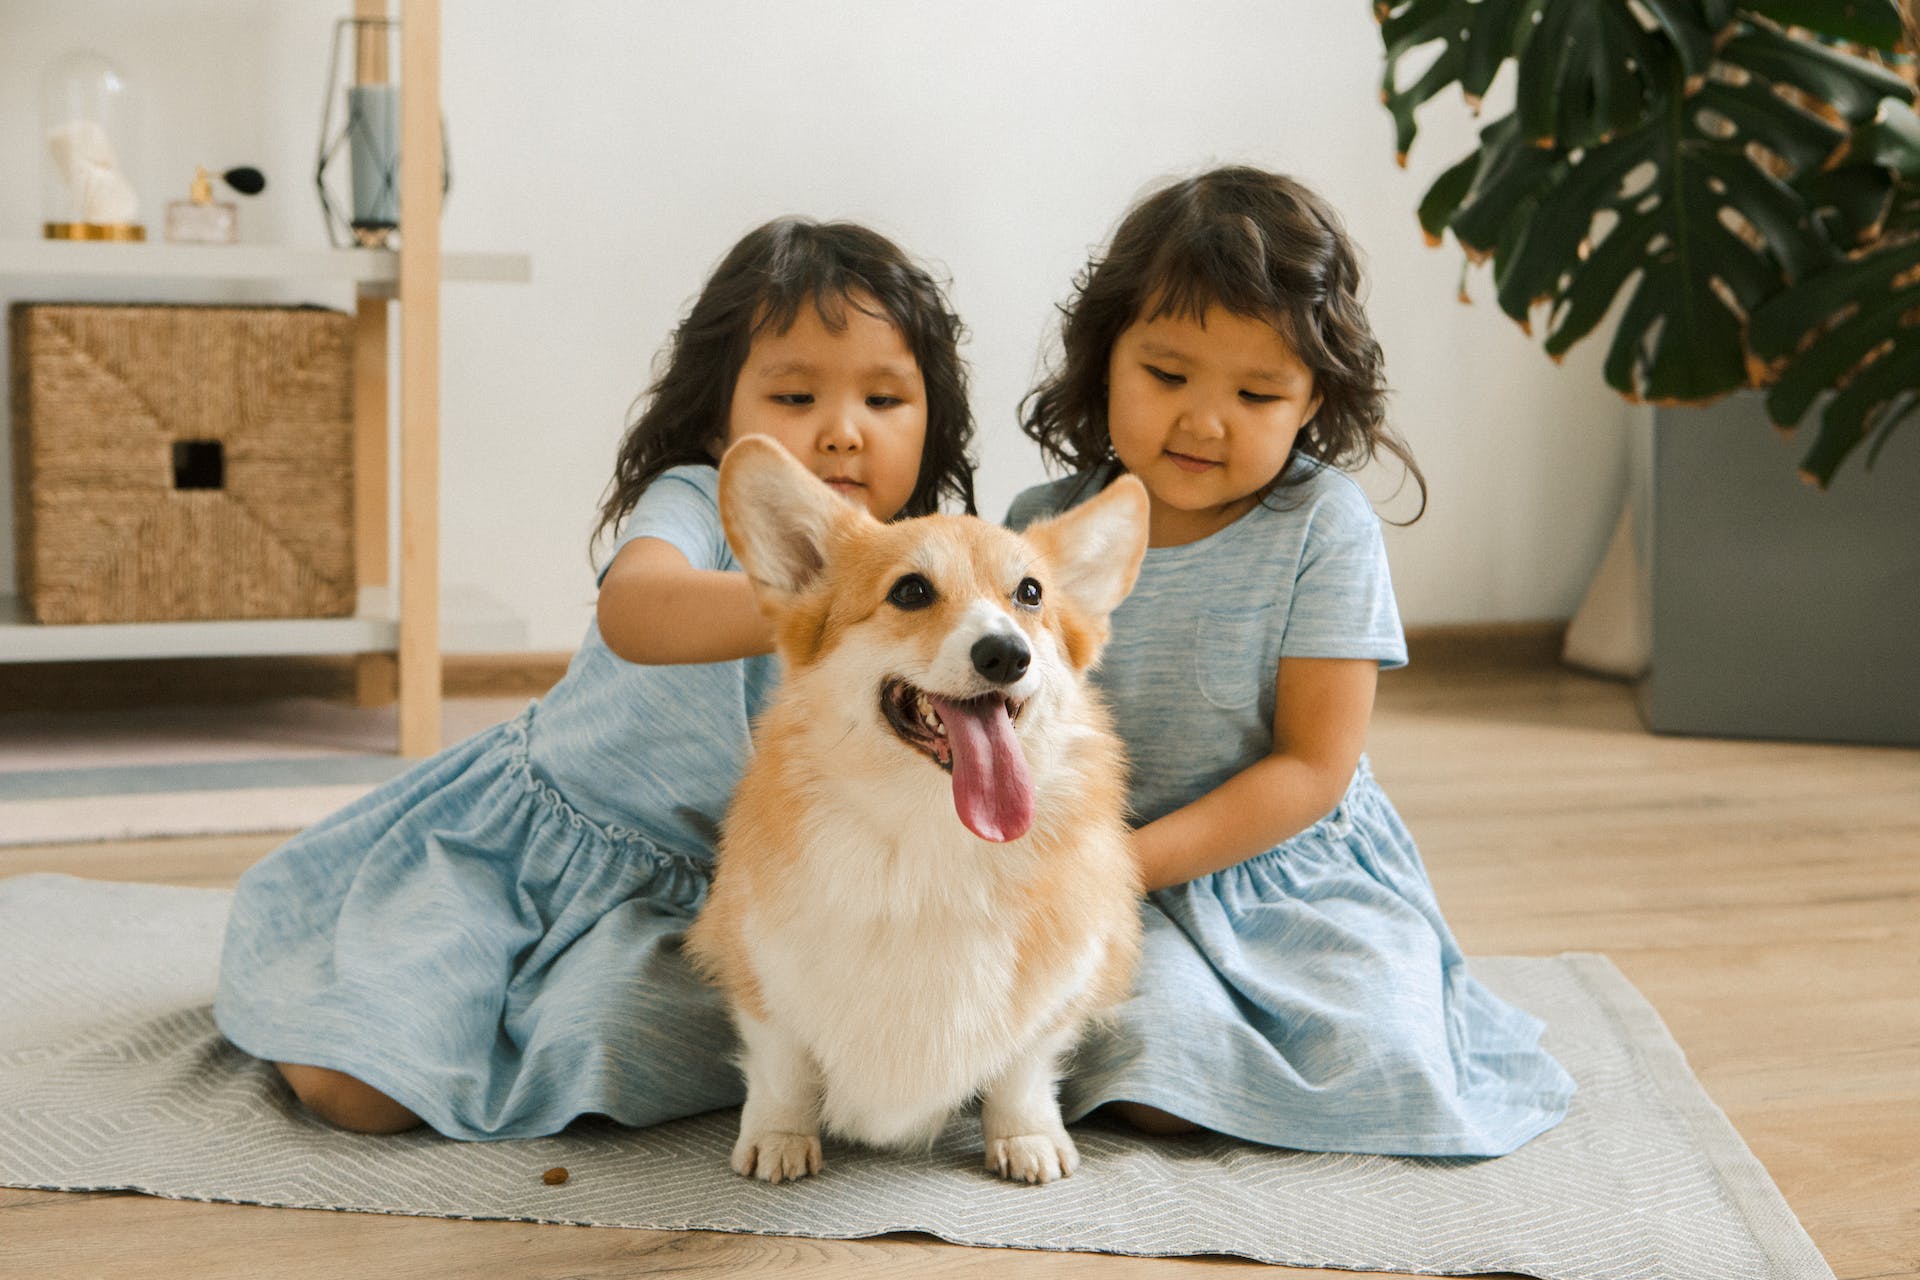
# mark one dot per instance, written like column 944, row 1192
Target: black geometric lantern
column 359, row 168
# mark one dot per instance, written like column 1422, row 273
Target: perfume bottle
column 200, row 219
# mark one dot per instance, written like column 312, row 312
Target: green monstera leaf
column 1854, row 329
column 1694, row 157
column 1588, row 69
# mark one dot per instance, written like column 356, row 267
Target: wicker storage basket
column 182, row 462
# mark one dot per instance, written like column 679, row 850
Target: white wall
column 626, row 145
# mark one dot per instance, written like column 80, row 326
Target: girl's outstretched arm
column 1321, row 709
column 656, row 608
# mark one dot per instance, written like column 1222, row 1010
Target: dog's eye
column 911, row 592
column 1028, row 593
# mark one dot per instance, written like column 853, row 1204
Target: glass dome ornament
column 87, row 118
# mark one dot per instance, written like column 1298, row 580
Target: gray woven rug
column 113, row 1077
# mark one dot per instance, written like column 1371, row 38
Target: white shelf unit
column 416, row 629
column 470, row 621
column 374, row 272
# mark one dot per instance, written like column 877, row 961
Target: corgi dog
column 924, row 886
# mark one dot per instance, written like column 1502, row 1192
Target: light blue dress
column 1311, row 996
column 493, row 938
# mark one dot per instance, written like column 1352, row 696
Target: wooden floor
column 1764, row 897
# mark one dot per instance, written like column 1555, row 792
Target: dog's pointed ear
column 1097, row 547
column 779, row 518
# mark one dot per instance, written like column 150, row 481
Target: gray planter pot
column 1779, row 611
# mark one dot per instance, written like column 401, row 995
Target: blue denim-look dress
column 493, row 938
column 1311, row 996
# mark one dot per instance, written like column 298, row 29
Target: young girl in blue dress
column 491, row 942
column 1299, row 987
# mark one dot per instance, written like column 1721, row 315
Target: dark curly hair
column 1259, row 245
column 761, row 284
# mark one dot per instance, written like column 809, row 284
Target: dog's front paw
column 776, row 1157
column 1033, row 1157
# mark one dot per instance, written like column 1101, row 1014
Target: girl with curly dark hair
column 762, row 286
column 1298, row 986
column 827, row 337
column 489, row 944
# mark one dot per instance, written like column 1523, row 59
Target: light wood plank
column 370, row 54
column 370, row 426
column 374, row 272
column 375, row 677
column 1762, row 895
column 420, row 175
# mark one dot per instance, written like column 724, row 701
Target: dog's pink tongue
column 992, row 790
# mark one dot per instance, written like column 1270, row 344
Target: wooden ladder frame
column 417, row 665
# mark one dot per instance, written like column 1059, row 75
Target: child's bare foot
column 343, row 1100
column 1151, row 1119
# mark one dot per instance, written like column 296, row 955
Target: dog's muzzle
column 916, row 721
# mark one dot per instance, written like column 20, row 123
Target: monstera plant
column 1745, row 172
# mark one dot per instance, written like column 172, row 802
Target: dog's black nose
column 1000, row 657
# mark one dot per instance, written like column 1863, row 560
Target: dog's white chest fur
column 903, row 990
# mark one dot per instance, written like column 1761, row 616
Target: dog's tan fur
column 885, row 964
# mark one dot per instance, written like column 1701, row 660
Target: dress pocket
column 1229, row 648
